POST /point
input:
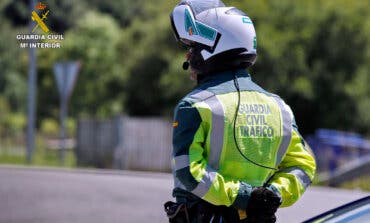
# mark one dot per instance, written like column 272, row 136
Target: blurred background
column 315, row 54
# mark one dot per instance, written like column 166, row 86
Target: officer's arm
column 296, row 170
column 191, row 166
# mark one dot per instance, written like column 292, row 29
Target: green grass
column 362, row 183
column 42, row 156
column 11, row 159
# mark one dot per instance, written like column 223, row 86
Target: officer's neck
column 223, row 75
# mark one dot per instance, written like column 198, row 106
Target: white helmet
column 218, row 33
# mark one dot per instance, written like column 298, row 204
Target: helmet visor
column 190, row 31
column 200, row 6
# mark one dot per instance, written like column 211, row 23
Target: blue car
column 355, row 212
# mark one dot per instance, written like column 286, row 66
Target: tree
column 93, row 42
column 151, row 60
column 313, row 53
column 12, row 72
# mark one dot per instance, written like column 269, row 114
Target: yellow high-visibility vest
column 220, row 154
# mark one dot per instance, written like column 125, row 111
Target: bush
column 49, row 128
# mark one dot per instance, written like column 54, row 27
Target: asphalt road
column 39, row 195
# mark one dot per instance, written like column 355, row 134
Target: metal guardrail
column 55, row 144
column 348, row 172
column 335, row 149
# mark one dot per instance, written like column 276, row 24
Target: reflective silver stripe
column 218, row 125
column 184, row 160
column 202, row 95
column 206, row 182
column 178, row 184
column 216, row 140
column 300, row 174
column 217, row 131
column 287, row 131
column 181, row 162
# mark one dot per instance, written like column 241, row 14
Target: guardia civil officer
column 237, row 152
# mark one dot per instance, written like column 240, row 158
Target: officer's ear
column 193, row 75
